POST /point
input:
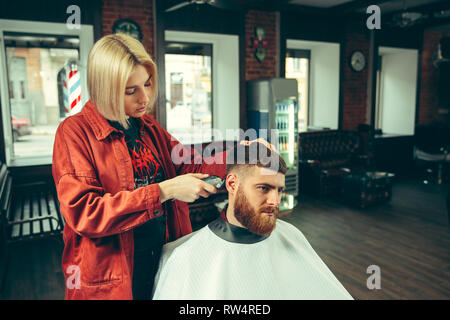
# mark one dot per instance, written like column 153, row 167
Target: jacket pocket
column 101, row 261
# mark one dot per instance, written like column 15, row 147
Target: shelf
column 286, row 131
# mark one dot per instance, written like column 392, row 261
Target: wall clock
column 357, row 61
column 128, row 27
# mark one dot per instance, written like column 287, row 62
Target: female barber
column 120, row 193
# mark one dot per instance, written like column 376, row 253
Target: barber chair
column 325, row 158
column 439, row 159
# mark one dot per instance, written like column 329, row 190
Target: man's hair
column 255, row 154
column 111, row 61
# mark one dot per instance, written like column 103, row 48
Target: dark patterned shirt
column 149, row 237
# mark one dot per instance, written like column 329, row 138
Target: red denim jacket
column 94, row 179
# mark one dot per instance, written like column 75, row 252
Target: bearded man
column 247, row 253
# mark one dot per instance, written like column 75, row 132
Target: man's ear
column 231, row 183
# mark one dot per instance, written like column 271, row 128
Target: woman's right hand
column 187, row 187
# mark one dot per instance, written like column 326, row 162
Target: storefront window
column 33, row 66
column 44, row 70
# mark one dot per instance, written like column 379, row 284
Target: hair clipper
column 215, row 181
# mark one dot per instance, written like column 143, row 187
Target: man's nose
column 274, row 198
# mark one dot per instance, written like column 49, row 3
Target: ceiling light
column 407, row 19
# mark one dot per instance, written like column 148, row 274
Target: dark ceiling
column 342, row 6
column 386, row 6
column 428, row 13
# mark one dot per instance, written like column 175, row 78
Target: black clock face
column 128, row 27
column 358, row 61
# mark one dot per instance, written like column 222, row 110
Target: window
column 378, row 93
column 297, row 67
column 11, row 90
column 213, row 98
column 395, row 105
column 46, row 80
column 319, row 108
column 34, row 67
column 188, row 91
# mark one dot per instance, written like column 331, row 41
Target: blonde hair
column 111, row 61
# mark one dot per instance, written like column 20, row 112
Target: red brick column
column 140, row 11
column 267, row 68
column 354, row 83
column 429, row 77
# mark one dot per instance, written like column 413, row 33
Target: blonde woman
column 113, row 172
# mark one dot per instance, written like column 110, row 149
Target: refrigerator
column 273, row 104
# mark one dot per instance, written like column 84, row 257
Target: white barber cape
column 226, row 262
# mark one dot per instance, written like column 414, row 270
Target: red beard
column 254, row 220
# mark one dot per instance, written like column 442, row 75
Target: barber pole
column 74, row 88
column 65, row 96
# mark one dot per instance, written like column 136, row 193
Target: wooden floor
column 34, row 271
column 409, row 239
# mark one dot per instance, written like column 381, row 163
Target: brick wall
column 268, row 67
column 141, row 11
column 33, row 60
column 428, row 98
column 354, row 83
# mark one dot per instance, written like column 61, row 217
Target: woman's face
column 138, row 92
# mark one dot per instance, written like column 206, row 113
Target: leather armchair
column 324, row 158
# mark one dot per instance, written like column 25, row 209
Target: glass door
column 297, row 67
column 189, row 91
column 286, row 119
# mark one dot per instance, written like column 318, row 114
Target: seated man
column 247, row 253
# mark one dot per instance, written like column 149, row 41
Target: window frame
column 86, row 35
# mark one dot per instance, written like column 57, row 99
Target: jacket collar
column 102, row 129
